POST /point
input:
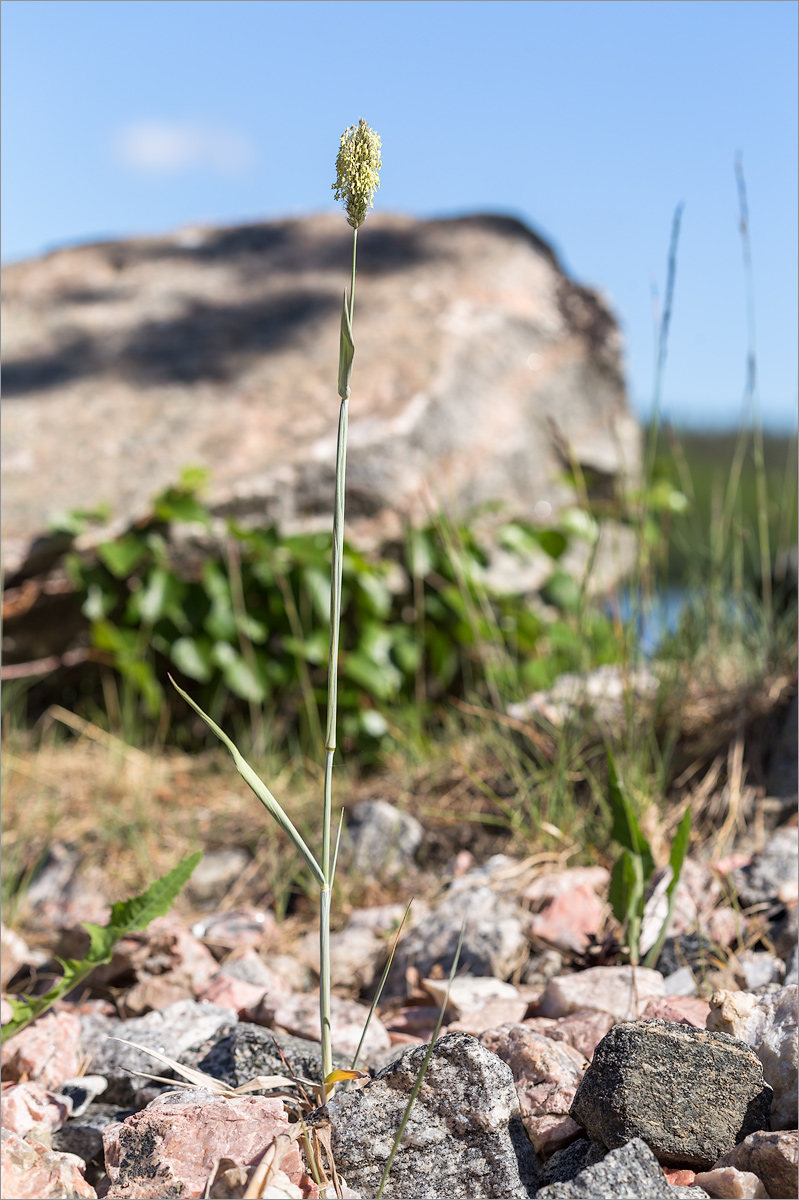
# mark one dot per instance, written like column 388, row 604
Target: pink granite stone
column 25, row 1105
column 570, row 919
column 47, row 1051
column 683, row 1010
column 173, row 1146
column 30, row 1171
column 298, row 1014
column 547, row 1074
column 728, row 1183
column 500, row 1011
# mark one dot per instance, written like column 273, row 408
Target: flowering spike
column 358, row 171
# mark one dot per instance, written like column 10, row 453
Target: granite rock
column 494, row 941
column 769, row 1025
column 172, row 1031
column 47, row 1051
column 173, row 1147
column 464, row 1137
column 623, row 992
column 246, row 1051
column 177, row 348
column 728, row 1183
column 772, row 873
column 632, row 1171
column 31, row 1171
column 380, row 840
column 773, row 1157
column 716, row 1094
column 546, row 1074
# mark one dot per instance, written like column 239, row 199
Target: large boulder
column 480, row 372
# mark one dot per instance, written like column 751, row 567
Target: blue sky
column 589, row 120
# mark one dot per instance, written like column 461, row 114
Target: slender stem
column 336, row 566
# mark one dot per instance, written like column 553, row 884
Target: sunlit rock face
column 480, row 372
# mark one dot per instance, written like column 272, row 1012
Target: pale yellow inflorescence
column 358, row 171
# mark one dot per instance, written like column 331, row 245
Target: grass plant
column 357, row 177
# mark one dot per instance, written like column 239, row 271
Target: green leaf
column 625, row 829
column 122, row 555
column 346, row 352
column 137, row 913
column 175, row 505
column 160, row 592
column 126, row 916
column 192, row 658
column 563, row 591
column 679, row 849
column 622, row 886
column 259, row 787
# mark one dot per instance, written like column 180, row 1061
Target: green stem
column 336, row 566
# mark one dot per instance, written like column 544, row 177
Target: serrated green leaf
column 126, row 916
column 137, row 913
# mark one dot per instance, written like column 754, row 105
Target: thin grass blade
column 381, row 985
column 259, row 787
column 422, row 1072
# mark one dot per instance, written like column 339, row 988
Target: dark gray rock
column 784, row 933
column 380, row 840
column 774, row 867
column 629, row 1173
column 464, row 1137
column 567, row 1163
column 84, row 1135
column 172, row 1031
column 494, row 942
column 690, row 1094
column 246, row 1051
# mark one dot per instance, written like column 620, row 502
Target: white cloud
column 171, row 147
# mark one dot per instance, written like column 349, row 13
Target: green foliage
column 635, row 866
column 249, row 626
column 126, row 916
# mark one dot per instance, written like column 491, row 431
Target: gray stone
column 83, row 1135
column 171, row 1031
column 246, row 1051
column 217, row 870
column 380, row 840
column 607, row 693
column 567, row 1163
column 629, row 1173
column 759, row 969
column 464, row 1137
column 767, row 1024
column 792, row 969
column 772, row 873
column 690, row 1094
column 494, row 942
column 542, row 967
column 784, row 933
column 125, row 360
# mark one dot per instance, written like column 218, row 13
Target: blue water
column 658, row 616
